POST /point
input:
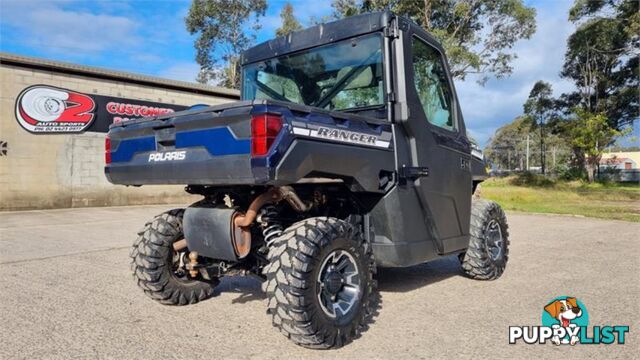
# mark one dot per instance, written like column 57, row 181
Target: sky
column 149, row 37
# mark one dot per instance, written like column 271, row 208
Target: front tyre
column 488, row 251
column 320, row 283
column 158, row 269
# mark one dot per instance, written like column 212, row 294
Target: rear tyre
column 156, row 266
column 488, row 252
column 320, row 287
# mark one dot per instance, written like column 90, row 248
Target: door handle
column 414, row 172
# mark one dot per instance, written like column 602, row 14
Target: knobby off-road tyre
column 153, row 259
column 307, row 265
column 488, row 251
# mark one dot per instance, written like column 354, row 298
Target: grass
column 529, row 193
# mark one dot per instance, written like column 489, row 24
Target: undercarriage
column 229, row 232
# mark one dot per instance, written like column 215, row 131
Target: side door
column 439, row 153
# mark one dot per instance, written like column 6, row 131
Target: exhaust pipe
column 180, row 245
column 292, row 198
column 272, row 196
column 205, row 227
column 241, row 222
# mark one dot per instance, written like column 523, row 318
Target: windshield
column 340, row 76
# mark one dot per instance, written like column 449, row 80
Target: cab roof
column 318, row 35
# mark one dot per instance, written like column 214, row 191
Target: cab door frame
column 439, row 159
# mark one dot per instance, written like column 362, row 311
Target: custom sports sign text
column 44, row 109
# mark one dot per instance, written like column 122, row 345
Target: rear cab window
column 345, row 75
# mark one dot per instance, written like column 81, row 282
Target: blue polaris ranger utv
column 347, row 152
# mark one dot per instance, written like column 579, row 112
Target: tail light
column 264, row 129
column 107, row 150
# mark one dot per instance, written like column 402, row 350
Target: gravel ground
column 66, row 292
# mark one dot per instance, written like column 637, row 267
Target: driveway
column 66, row 292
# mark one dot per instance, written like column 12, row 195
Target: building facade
column 620, row 166
column 629, row 160
column 53, row 120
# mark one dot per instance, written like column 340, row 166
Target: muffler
column 211, row 232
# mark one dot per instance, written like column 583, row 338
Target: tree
column 602, row 59
column 289, row 22
column 590, row 133
column 478, row 35
column 539, row 108
column 507, row 149
column 221, row 29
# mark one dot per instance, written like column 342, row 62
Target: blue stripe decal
column 129, row 147
column 217, row 141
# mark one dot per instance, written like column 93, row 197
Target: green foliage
column 530, row 179
column 570, row 173
column 608, row 175
column 289, row 22
column 600, row 200
column 476, row 34
column 539, row 108
column 507, row 148
column 221, row 29
column 589, row 134
column 602, row 59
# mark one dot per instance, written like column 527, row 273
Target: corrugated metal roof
column 631, row 155
column 95, row 72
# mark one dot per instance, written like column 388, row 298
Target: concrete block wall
column 60, row 171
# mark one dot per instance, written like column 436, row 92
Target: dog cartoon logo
column 47, row 109
column 565, row 312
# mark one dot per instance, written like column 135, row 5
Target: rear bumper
column 198, row 168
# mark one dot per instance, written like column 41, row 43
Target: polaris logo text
column 168, row 156
column 342, row 135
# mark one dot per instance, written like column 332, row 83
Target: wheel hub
column 494, row 240
column 333, row 282
column 339, row 286
column 178, row 262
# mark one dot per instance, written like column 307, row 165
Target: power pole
column 527, row 152
column 542, row 152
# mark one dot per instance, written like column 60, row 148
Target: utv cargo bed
column 248, row 143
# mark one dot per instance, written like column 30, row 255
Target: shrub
column 570, row 173
column 608, row 175
column 530, row 179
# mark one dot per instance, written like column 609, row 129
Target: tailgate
column 207, row 146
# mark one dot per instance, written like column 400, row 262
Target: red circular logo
column 47, row 109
